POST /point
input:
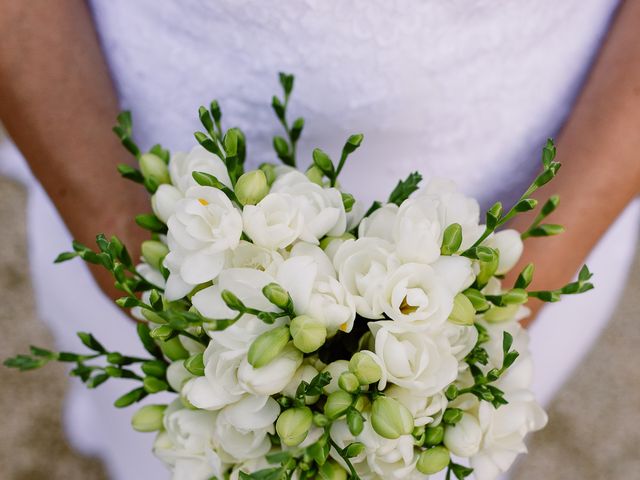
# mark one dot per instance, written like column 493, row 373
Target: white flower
column 305, row 372
column 150, row 274
column 424, row 410
column 415, row 295
column 420, row 362
column 509, row 246
column 331, row 304
column 322, row 208
column 380, row 223
column 165, row 201
column 464, row 438
column 241, row 428
column 362, row 267
column 177, row 375
column 249, row 255
column 201, row 232
column 182, row 166
column 275, row 222
column 187, row 445
column 504, row 430
column 320, row 258
column 274, row 376
column 462, row 339
column 335, row 369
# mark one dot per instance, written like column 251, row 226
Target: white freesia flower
column 417, row 230
column 504, row 430
column 165, row 201
column 204, row 228
column 380, row 223
column 150, row 274
column 462, row 339
column 424, row 410
column 186, row 444
column 249, row 255
column 178, row 375
column 182, row 166
column 420, row 362
column 415, row 296
column 275, row 222
column 320, row 257
column 322, row 208
column 305, row 372
column 335, row 369
column 362, row 267
column 509, row 246
column 464, row 438
column 241, row 428
column 274, row 376
column 355, row 215
column 333, row 305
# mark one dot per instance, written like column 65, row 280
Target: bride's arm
column 599, row 148
column 58, row 104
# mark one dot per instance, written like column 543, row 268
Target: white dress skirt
column 467, row 90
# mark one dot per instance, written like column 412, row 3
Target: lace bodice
column 467, row 89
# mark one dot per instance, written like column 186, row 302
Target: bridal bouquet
column 305, row 336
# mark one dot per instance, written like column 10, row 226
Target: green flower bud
column 195, row 364
column 463, row 312
column 154, row 252
column 362, row 403
column 334, row 369
column 151, row 316
column 390, row 419
column 355, row 422
column 324, row 243
column 489, row 260
column 308, row 333
column 332, row 471
column 269, row 171
column 154, row 168
column 278, row 296
column 500, row 314
column 315, row 175
column 174, row 349
column 516, row 296
column 433, row 436
column 293, row 425
column 365, row 368
column 348, row 382
column 320, row 420
column 251, row 187
column 477, row 299
column 148, row 418
column 354, row 449
column 232, row 301
column 154, row 385
column 452, row 416
column 433, row 460
column 337, row 404
column 268, row 346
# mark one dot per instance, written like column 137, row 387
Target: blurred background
column 593, row 432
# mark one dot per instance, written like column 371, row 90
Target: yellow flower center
column 203, row 202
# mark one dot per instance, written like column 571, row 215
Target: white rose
column 380, row 223
column 362, row 267
column 275, row 222
column 464, row 438
column 322, row 208
column 415, row 295
column 204, row 228
column 504, row 431
column 187, row 445
column 274, row 376
column 241, row 428
column 182, row 166
column 509, row 246
column 424, row 410
column 220, row 385
column 420, row 362
column 165, row 201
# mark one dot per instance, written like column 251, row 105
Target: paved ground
column 593, row 434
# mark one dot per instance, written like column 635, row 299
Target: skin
column 58, row 104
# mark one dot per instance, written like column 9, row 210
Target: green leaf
column 90, row 341
column 405, row 188
column 545, row 230
column 507, row 341
column 317, row 383
column 548, row 153
column 130, row 173
column 206, row 120
column 148, row 342
column 525, row 277
column 286, row 80
column 493, row 216
column 25, row 362
column 207, row 143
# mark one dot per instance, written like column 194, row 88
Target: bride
column 466, row 90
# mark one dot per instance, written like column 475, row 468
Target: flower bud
column 269, row 171
column 337, row 404
column 433, row 436
column 463, row 439
column 390, row 419
column 177, row 375
column 501, row 314
column 267, row 346
column 148, row 418
column 365, row 368
column 355, row 422
column 315, row 175
column 251, row 187
column 154, row 168
column 278, row 296
column 362, row 403
column 463, row 312
column 332, row 471
column 488, row 264
column 293, row 425
column 324, row 243
column 195, row 365
column 348, row 382
column 174, row 349
column 308, row 333
column 335, row 369
column 154, row 252
column 433, row 460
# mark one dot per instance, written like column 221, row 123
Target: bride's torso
column 464, row 89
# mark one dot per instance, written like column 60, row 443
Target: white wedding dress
column 463, row 89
